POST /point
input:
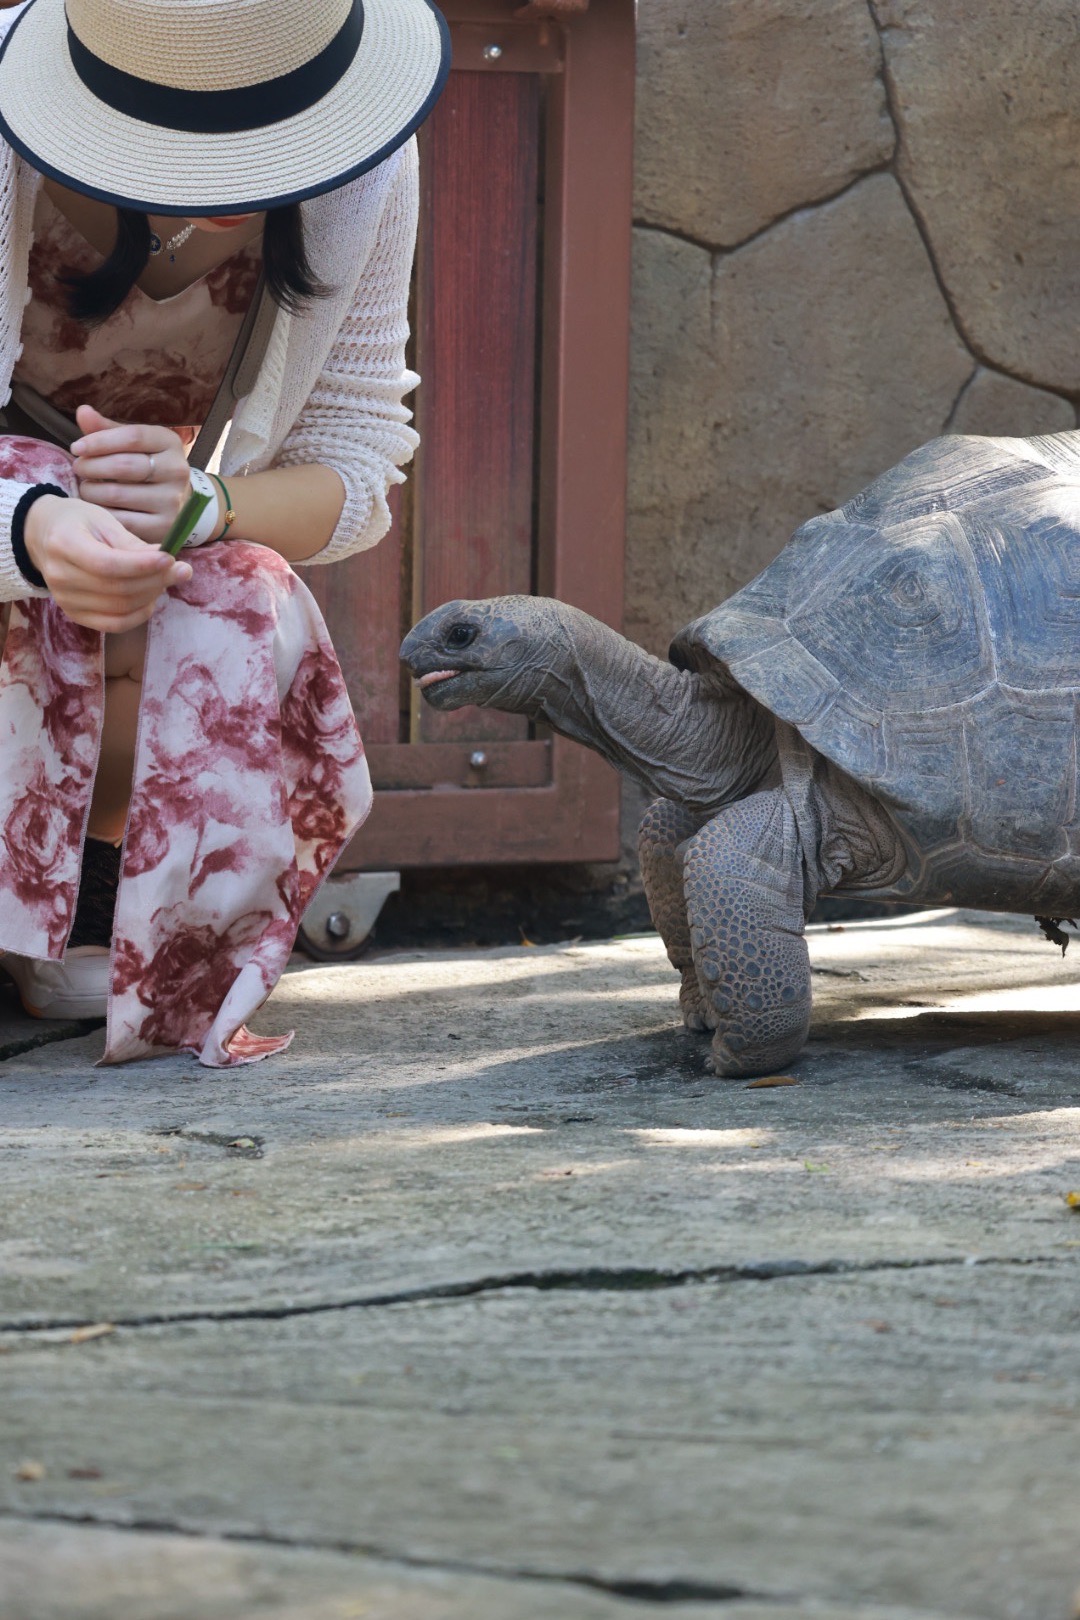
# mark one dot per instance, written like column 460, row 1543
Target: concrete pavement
column 487, row 1301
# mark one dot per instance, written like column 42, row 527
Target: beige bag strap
column 241, row 373
column 248, row 354
column 28, row 403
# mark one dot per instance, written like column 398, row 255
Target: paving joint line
column 594, row 1279
column 642, row 1589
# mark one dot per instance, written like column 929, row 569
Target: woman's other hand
column 139, row 472
column 99, row 573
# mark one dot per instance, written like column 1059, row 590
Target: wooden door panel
column 476, row 351
column 361, row 601
column 575, row 817
column 472, row 765
column 521, row 323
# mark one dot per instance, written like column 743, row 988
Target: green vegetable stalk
column 188, row 516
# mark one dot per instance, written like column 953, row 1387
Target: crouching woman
column 197, row 203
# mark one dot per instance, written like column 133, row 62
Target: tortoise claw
column 1054, row 934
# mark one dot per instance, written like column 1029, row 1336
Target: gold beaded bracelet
column 230, row 515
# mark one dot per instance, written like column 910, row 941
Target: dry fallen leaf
column 94, row 1330
column 769, row 1080
column 1073, row 1200
column 30, row 1471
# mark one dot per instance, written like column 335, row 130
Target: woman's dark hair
column 292, row 282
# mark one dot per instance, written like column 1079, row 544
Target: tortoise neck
column 696, row 739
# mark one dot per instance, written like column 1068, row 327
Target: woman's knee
column 125, row 654
column 237, row 577
column 242, row 559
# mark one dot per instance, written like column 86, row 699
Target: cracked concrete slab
column 815, row 1344
column 457, row 1116
column 66, row 1572
column 852, row 1438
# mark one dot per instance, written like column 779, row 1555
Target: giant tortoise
column 889, row 710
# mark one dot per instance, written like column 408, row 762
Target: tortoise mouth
column 456, row 688
column 446, row 688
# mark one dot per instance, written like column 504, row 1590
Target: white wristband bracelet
column 210, row 521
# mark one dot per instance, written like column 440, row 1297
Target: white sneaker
column 75, row 988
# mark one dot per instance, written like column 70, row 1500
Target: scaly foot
column 744, row 894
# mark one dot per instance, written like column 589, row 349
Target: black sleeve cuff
column 18, row 536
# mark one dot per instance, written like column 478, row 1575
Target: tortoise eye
column 461, row 635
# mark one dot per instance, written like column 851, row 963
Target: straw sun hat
column 217, row 106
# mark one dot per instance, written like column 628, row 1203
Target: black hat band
column 222, row 112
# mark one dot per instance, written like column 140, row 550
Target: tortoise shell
column 926, row 638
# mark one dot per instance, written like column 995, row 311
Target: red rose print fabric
column 249, row 779
column 51, row 703
column 152, row 360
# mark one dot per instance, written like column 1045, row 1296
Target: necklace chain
column 172, row 245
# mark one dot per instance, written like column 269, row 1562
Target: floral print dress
column 249, row 775
column 153, row 360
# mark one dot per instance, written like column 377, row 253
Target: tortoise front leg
column 743, row 876
column 665, row 826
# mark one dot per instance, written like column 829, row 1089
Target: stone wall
column 857, row 225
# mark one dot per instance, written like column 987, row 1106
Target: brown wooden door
column 520, row 336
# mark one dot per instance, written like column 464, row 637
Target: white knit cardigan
column 330, row 388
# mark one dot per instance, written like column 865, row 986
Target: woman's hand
column 98, row 572
column 139, row 472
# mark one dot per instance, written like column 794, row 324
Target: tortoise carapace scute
column 926, row 638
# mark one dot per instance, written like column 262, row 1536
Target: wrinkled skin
column 744, row 833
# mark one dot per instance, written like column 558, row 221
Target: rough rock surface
column 836, row 340
column 773, row 388
column 751, row 108
column 992, row 403
column 987, row 98
column 672, row 474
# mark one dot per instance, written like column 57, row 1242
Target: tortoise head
column 684, row 735
column 496, row 653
